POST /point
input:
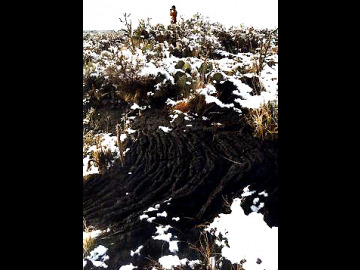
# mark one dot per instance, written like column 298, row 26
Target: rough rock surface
column 197, row 166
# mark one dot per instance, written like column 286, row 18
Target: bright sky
column 105, row 14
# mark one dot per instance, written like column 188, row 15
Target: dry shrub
column 195, row 104
column 103, row 158
column 88, row 242
column 264, row 120
column 182, row 106
column 206, row 249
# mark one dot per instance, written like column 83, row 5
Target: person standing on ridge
column 173, row 14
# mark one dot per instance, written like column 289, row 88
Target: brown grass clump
column 264, row 120
column 88, row 242
column 183, row 106
column 196, row 104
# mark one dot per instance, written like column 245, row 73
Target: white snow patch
column 122, row 137
column 249, row 238
column 151, row 219
column 136, row 106
column 97, row 256
column 127, row 267
column 207, row 91
column 263, row 193
column 193, row 263
column 151, row 69
column 246, row 192
column 255, row 208
column 173, row 117
column 150, row 209
column 143, row 216
column 130, row 131
column 269, row 81
column 88, row 168
column 169, row 261
column 137, row 251
column 163, row 214
column 165, row 129
column 170, row 102
column 126, row 150
column 160, row 230
column 162, row 235
column 92, row 234
column 173, row 247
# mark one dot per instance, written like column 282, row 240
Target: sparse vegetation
column 88, row 242
column 264, row 121
column 205, row 249
column 136, row 82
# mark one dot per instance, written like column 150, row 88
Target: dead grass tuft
column 88, row 243
column 264, row 120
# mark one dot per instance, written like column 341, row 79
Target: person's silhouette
column 173, row 14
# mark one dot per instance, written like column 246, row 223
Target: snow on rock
column 127, row 267
column 88, row 168
column 249, row 238
column 123, row 137
column 160, row 231
column 130, row 131
column 98, row 257
column 151, row 69
column 171, row 261
column 150, row 220
column 124, row 153
column 137, row 251
column 136, row 106
column 163, row 214
column 165, row 129
column 170, row 102
column 252, row 102
column 107, row 142
column 173, row 247
column 263, row 193
column 208, row 91
column 144, row 216
column 255, row 208
column 246, row 192
column 91, row 234
column 192, row 263
column 161, row 234
column 150, row 209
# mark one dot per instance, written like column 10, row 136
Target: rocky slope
column 169, row 144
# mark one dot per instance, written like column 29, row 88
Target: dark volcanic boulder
column 255, row 83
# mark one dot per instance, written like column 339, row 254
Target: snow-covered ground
column 268, row 78
column 250, row 239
